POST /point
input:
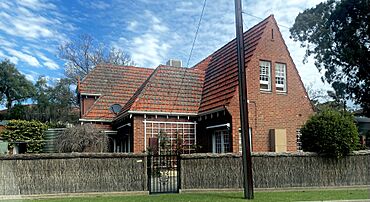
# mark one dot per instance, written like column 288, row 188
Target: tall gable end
column 272, row 48
column 221, row 74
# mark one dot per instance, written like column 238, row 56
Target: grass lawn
column 226, row 196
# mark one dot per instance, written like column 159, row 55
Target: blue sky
column 150, row 31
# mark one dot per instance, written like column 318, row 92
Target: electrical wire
column 191, row 52
column 196, row 33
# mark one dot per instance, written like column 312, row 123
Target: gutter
column 95, row 120
column 153, row 113
column 91, row 94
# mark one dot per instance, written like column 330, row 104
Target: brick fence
column 80, row 173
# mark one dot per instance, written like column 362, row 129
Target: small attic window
column 272, row 33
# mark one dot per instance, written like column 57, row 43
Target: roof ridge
column 131, row 102
column 116, row 65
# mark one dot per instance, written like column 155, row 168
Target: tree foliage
column 31, row 132
column 331, row 133
column 13, row 85
column 82, row 138
column 54, row 103
column 84, row 53
column 337, row 34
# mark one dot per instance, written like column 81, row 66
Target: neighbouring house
column 200, row 105
column 363, row 125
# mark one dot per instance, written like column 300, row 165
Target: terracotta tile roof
column 209, row 85
column 168, row 89
column 116, row 84
column 221, row 69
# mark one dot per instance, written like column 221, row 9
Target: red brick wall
column 138, row 124
column 274, row 110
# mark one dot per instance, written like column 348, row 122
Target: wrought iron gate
column 164, row 174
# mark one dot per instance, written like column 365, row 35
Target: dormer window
column 280, row 77
column 265, row 75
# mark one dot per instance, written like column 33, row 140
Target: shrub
column 82, row 138
column 31, row 132
column 330, row 133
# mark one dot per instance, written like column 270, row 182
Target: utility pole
column 246, row 150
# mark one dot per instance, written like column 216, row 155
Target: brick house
column 201, row 104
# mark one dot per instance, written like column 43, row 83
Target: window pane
column 265, row 76
column 299, row 141
column 221, row 141
column 280, row 77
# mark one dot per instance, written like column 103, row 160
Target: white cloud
column 27, row 25
column 29, row 59
column 36, row 4
column 150, row 47
column 12, row 59
column 100, row 5
column 49, row 63
column 33, row 20
column 132, row 25
column 6, row 43
column 148, row 50
column 31, row 75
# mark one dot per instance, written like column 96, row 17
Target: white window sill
column 266, row 91
column 281, row 93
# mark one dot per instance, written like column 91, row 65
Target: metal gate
column 164, row 174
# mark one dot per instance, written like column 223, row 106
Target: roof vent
column 115, row 108
column 174, row 63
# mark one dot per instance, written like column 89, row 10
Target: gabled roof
column 114, row 85
column 169, row 89
column 221, row 69
column 209, row 85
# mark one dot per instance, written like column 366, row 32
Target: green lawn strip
column 225, row 196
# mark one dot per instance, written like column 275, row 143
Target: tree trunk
column 8, row 101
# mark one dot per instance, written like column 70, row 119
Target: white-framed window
column 280, row 77
column 265, row 75
column 240, row 140
column 221, row 141
column 299, row 141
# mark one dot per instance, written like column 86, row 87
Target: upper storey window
column 280, row 77
column 265, row 75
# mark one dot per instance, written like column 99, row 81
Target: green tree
column 55, row 102
column 330, row 132
column 337, row 34
column 14, row 87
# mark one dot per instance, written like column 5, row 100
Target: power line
column 196, row 33
column 263, row 19
column 191, row 52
